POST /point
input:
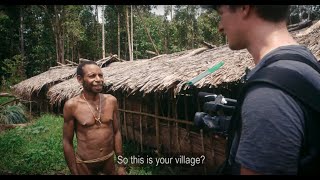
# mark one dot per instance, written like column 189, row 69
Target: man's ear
column 80, row 79
column 246, row 10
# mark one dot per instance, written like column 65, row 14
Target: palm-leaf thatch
column 34, row 84
column 164, row 72
column 53, row 76
column 174, row 70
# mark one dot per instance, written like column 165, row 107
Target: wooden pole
column 124, row 119
column 140, row 122
column 177, row 125
column 203, row 150
column 159, row 117
column 187, row 119
column 157, row 122
column 30, row 107
column 132, row 127
column 169, row 123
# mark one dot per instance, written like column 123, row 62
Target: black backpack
column 307, row 96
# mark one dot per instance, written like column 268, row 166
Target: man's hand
column 122, row 170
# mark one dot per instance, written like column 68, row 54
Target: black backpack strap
column 293, row 57
column 291, row 82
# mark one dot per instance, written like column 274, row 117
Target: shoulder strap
column 291, row 82
column 288, row 80
column 293, row 57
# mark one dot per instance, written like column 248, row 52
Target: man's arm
column 117, row 135
column 68, row 133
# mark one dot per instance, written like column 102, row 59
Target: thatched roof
column 105, row 61
column 34, row 84
column 53, row 76
column 165, row 71
column 310, row 37
column 174, row 70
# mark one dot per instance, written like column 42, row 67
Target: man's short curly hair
column 80, row 67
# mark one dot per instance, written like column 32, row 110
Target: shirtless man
column 92, row 116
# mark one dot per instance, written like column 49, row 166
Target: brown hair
column 272, row 13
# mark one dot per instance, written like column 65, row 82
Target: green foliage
column 82, row 36
column 5, row 99
column 208, row 28
column 39, row 41
column 13, row 68
column 12, row 114
column 34, row 149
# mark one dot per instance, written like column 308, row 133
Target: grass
column 37, row 149
column 34, row 149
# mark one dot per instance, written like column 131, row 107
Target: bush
column 12, row 114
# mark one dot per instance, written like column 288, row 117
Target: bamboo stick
column 157, row 122
column 187, row 125
column 203, row 151
column 124, row 119
column 169, row 128
column 140, row 122
column 177, row 125
column 30, row 108
column 159, row 117
column 132, row 127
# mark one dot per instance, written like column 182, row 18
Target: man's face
column 92, row 79
column 231, row 26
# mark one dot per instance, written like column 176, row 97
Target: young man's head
column 239, row 21
column 89, row 74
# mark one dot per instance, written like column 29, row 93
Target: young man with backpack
column 274, row 129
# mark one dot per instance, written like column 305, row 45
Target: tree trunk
column 119, row 33
column 131, row 34
column 58, row 31
column 21, row 32
column 72, row 50
column 97, row 27
column 68, row 48
column 103, row 48
column 128, row 32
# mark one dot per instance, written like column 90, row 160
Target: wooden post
column 30, row 107
column 124, row 119
column 169, row 123
column 140, row 122
column 157, row 122
column 203, row 150
column 213, row 145
column 177, row 124
column 187, row 125
column 132, row 127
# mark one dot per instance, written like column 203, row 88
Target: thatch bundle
column 310, row 37
column 34, row 84
column 164, row 72
column 161, row 74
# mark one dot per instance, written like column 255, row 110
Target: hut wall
column 180, row 137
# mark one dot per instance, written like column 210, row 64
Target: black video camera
column 217, row 112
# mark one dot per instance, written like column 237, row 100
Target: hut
column 35, row 88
